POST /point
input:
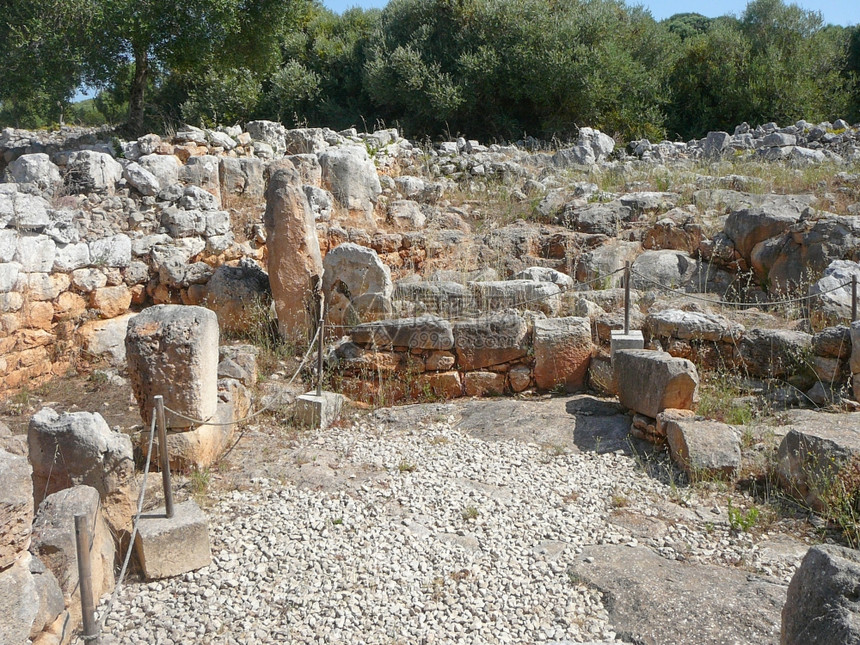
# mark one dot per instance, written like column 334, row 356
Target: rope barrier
column 135, row 525
column 259, row 412
column 727, row 303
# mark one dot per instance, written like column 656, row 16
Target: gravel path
column 452, row 540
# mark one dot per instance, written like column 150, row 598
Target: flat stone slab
column 168, row 547
column 653, row 601
column 318, row 411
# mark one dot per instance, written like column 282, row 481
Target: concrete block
column 318, row 411
column 618, row 340
column 170, row 547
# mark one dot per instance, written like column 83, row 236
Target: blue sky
column 839, row 12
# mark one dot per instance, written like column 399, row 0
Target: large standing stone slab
column 490, row 340
column 54, row 542
column 172, row 350
column 649, row 382
column 562, row 352
column 704, row 448
column 823, row 607
column 357, row 285
column 16, row 507
column 295, row 263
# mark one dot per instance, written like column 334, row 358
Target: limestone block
column 37, row 169
column 51, row 603
column 111, row 301
column 70, row 257
column 169, row 547
column 815, row 449
column 105, row 338
column 318, row 412
column 172, row 350
column 8, row 244
column 703, row 448
column 9, row 272
column 165, row 168
column 295, row 263
column 356, row 283
column 350, row 175
column 491, row 340
column 440, row 361
column 70, row 449
column 442, row 384
column 141, row 179
column 822, row 605
column 114, row 251
column 16, row 507
column 484, row 383
column 563, row 350
column 19, row 603
column 520, row 378
column 421, row 332
column 530, row 295
column 89, row 171
column 649, row 382
column 35, row 253
column 54, row 542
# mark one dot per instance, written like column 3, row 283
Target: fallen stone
column 815, row 449
column 79, row 448
column 649, row 382
column 703, row 448
column 822, row 607
column 168, row 547
column 171, row 345
column 693, row 325
column 563, row 351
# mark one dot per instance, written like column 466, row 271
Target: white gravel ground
column 454, row 540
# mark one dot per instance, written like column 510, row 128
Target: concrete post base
column 170, row 547
column 318, row 411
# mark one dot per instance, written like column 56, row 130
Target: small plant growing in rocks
column 741, row 520
column 469, row 513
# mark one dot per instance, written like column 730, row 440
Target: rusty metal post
column 85, row 581
column 163, row 455
column 853, row 298
column 626, row 297
column 320, row 347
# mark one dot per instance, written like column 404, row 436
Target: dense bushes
column 493, row 69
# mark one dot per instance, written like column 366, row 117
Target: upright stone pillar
column 172, row 350
column 295, row 263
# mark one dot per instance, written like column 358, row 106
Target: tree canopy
column 486, row 68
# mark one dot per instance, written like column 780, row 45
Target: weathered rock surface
column 422, row 332
column 19, row 603
column 563, row 349
column 79, row 448
column 295, row 263
column 351, row 177
column 16, row 507
column 693, row 325
column 654, row 601
column 172, row 350
column 357, row 285
column 814, row 450
column 704, row 448
column 649, row 381
column 822, row 607
column 492, row 340
column 54, row 542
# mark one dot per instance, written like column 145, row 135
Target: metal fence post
column 85, row 582
column 320, row 346
column 626, row 297
column 163, row 455
column 853, row 298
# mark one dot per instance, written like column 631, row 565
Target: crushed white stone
column 459, row 540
